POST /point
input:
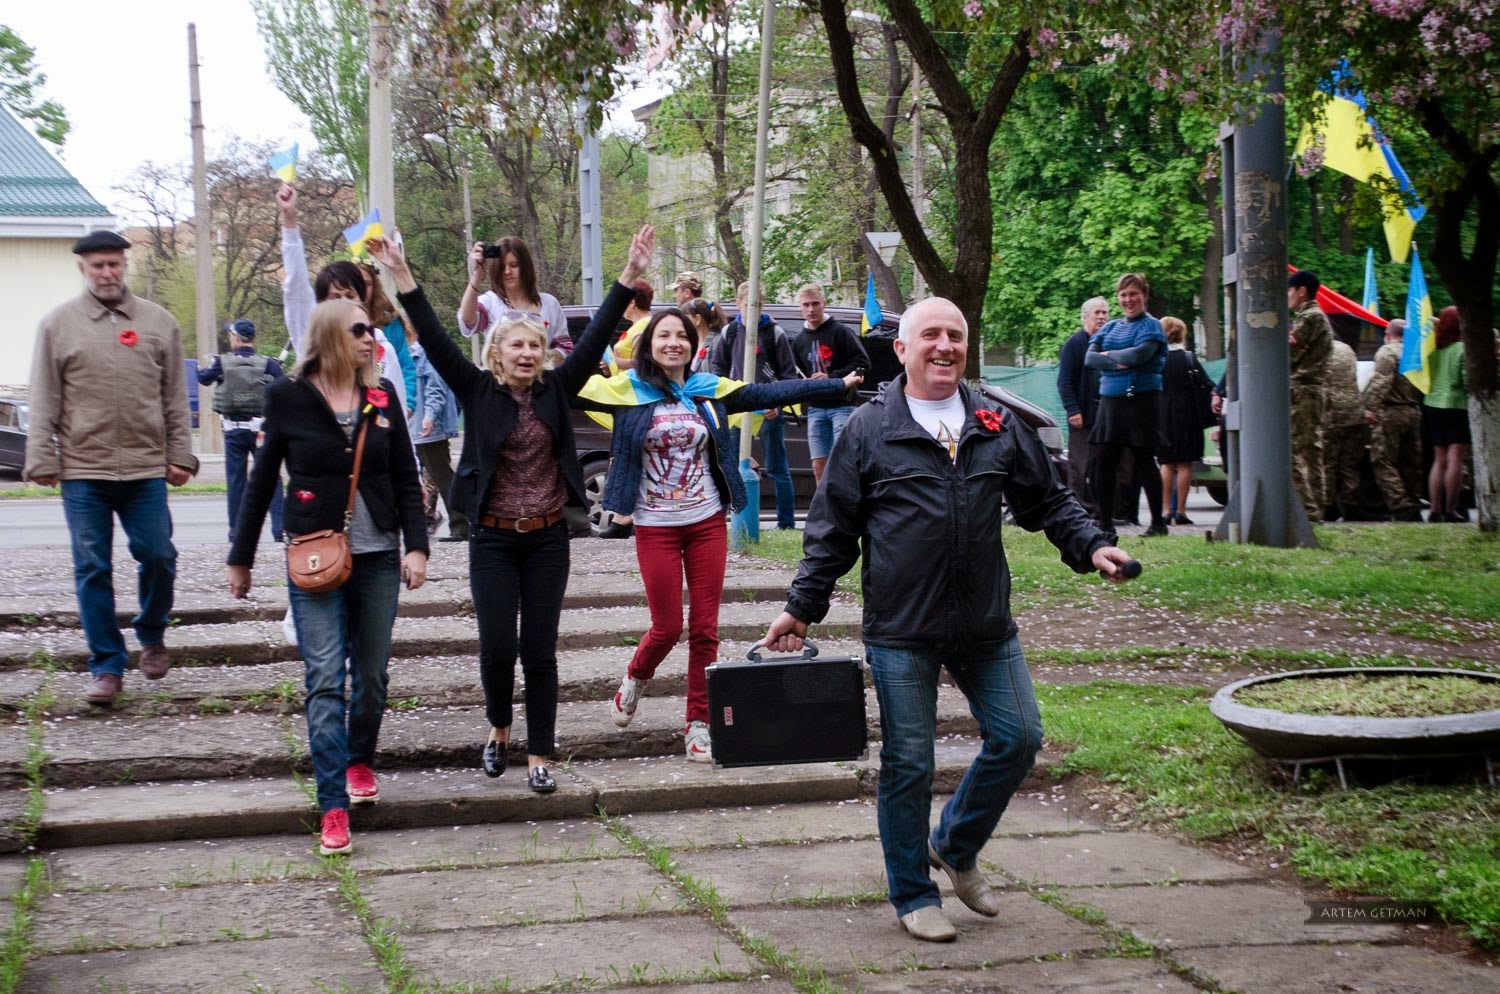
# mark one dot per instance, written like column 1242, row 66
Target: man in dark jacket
column 1078, row 386
column 773, row 361
column 921, row 479
column 242, row 376
column 826, row 348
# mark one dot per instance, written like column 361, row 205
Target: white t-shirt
column 942, row 419
column 677, row 487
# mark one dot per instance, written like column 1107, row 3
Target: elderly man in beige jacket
column 110, row 426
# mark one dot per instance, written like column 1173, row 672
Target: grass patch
column 1162, row 748
column 19, row 493
column 1398, row 695
column 17, row 948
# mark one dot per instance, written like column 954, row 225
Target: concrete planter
column 1300, row 738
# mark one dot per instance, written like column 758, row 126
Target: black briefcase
column 791, row 709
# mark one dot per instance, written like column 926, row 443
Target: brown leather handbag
column 321, row 561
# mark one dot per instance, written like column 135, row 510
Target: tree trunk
column 1346, row 223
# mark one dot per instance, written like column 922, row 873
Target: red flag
column 1333, row 302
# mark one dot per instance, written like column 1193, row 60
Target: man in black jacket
column 921, row 479
column 826, row 348
column 1078, row 386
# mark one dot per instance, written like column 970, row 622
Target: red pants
column 665, row 554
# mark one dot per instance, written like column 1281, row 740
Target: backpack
column 242, row 394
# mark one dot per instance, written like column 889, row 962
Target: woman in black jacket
column 517, row 471
column 312, row 424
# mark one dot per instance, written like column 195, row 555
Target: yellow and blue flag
column 367, row 228
column 1353, row 144
column 1420, row 338
column 629, row 390
column 872, row 315
column 284, row 164
column 1369, row 301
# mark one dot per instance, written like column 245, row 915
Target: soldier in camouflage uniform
column 1311, row 342
column 1393, row 405
column 1344, row 435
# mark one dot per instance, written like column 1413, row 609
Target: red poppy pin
column 128, row 338
column 378, row 397
column 703, row 353
column 825, row 353
column 305, row 495
column 380, row 353
column 989, row 420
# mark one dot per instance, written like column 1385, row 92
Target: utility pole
column 205, row 314
column 1264, row 508
column 590, row 236
column 918, row 284
column 382, row 169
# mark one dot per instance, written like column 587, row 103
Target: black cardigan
column 490, row 410
column 303, row 432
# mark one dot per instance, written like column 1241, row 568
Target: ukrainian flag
column 1420, row 338
column 366, row 229
column 1370, row 301
column 1353, row 145
column 284, row 164
column 872, row 315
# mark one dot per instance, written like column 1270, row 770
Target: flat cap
column 100, row 241
column 688, row 280
column 244, row 328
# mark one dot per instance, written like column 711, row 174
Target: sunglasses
column 359, row 330
column 532, row 316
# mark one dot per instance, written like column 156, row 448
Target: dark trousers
column 438, row 461
column 1104, row 479
column 1078, row 466
column 239, row 449
column 523, row 573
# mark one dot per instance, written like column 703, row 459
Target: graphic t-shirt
column 943, row 420
column 677, row 487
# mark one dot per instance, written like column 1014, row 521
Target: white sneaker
column 622, row 705
column 698, row 747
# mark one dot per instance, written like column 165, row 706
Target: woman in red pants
column 673, row 469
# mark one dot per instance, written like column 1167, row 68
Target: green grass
column 1375, row 695
column 1161, row 748
column 28, row 490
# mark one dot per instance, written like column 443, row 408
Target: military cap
column 688, row 280
column 100, row 241
column 244, row 328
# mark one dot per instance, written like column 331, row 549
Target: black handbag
column 1203, row 395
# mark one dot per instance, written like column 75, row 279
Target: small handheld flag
column 1369, row 301
column 1419, row 340
column 872, row 315
column 284, row 164
column 367, row 228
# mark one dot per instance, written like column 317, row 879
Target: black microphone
column 1129, row 569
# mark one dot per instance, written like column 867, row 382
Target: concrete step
column 242, row 643
column 99, row 751
column 415, row 798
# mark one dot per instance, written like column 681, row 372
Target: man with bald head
column 918, row 485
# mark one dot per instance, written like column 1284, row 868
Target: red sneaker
column 335, row 837
column 359, row 779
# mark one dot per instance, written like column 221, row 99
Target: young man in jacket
column 921, row 481
column 826, row 349
column 242, row 375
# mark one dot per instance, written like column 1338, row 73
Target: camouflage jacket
column 1312, row 341
column 1342, row 406
column 1388, row 387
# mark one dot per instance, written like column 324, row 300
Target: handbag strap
column 359, row 454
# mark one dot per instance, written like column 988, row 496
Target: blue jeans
column 773, row 446
column 353, row 622
column 239, row 450
column 90, row 507
column 997, row 684
column 824, row 426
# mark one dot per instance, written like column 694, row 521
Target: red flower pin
column 703, row 353
column 380, row 355
column 378, row 397
column 305, row 495
column 825, row 353
column 989, row 420
column 128, row 338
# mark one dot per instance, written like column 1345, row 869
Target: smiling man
column 110, row 426
column 918, row 484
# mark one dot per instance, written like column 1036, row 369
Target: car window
column 9, row 416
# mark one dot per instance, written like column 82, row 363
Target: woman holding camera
column 332, row 403
column 502, row 279
column 672, row 466
column 518, row 468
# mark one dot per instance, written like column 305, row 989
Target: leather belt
column 521, row 524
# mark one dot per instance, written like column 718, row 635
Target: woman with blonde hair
column 334, row 403
column 517, row 471
column 1179, row 440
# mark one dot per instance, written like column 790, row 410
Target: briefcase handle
column 809, row 650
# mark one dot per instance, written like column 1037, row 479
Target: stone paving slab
column 612, row 952
column 1106, row 858
column 87, row 921
column 527, row 894
column 203, row 690
column 870, row 938
column 201, row 809
column 1190, row 915
column 835, row 872
column 956, row 748
column 1348, row 969
column 12, row 808
column 287, row 966
column 15, row 743
column 12, row 874
column 17, row 685
column 765, row 984
column 484, row 845
column 189, row 863
column 105, row 749
column 668, row 783
column 1080, row 975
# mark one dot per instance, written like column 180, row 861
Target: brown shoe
column 103, row 688
column 154, row 661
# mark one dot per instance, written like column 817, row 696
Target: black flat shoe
column 1182, row 519
column 494, row 758
column 616, row 530
column 541, row 781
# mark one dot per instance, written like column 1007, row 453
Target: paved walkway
column 172, row 852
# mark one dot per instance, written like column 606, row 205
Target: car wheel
column 594, row 473
column 1219, row 492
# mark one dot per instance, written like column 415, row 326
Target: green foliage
column 21, row 83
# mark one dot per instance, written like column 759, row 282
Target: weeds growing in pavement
column 17, row 947
column 381, row 934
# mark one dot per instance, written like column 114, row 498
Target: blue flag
column 1420, row 338
column 1369, row 301
column 873, row 314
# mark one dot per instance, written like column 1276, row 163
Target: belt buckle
column 527, row 523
